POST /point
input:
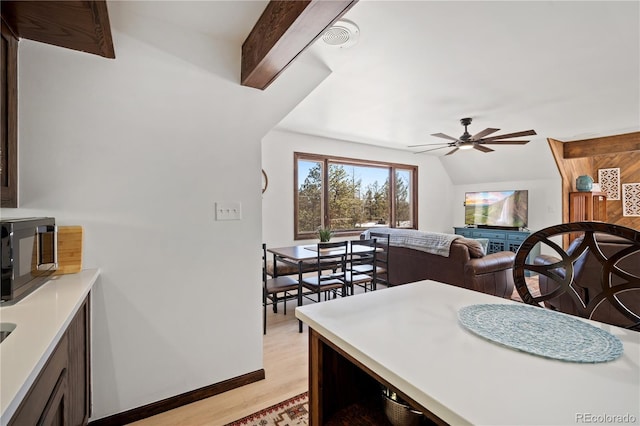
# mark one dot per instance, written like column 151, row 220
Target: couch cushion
column 474, row 246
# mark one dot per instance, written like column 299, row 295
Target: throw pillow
column 474, row 246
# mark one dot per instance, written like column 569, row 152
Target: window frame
column 326, row 160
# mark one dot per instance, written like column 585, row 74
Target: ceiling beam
column 602, row 146
column 283, row 31
column 77, row 24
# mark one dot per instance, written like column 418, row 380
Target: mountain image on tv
column 497, row 208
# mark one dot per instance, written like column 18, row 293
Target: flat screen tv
column 497, row 209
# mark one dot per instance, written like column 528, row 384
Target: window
column 349, row 195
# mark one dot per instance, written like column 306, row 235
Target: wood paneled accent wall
column 585, row 157
column 629, row 164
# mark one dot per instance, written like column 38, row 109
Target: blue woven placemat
column 541, row 332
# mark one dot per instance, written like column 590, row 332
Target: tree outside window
column 349, row 195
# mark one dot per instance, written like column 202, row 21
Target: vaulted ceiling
column 569, row 70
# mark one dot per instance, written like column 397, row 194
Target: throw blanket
column 430, row 242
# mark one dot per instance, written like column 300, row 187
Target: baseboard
column 167, row 404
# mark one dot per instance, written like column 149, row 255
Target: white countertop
column 41, row 318
column 410, row 336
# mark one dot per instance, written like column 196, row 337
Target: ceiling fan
column 477, row 141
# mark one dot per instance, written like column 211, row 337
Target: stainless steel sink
column 5, row 330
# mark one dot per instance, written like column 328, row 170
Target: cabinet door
column 514, row 241
column 9, row 119
column 467, row 233
column 79, row 367
column 56, row 411
column 47, row 399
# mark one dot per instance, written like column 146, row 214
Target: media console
column 499, row 239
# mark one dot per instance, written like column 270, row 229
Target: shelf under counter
column 409, row 338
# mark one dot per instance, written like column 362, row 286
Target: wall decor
column 631, row 199
column 609, row 180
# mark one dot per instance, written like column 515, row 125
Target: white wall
column 137, row 150
column 545, row 200
column 440, row 201
column 533, row 161
column 434, row 185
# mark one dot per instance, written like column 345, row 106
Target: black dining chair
column 362, row 254
column 333, row 257
column 597, row 277
column 382, row 260
column 274, row 286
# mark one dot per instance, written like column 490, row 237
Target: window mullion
column 392, row 197
column 326, row 220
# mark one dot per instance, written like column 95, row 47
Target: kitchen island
column 409, row 339
column 42, row 320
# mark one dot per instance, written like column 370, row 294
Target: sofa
column 587, row 281
column 456, row 260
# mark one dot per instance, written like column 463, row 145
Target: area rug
column 293, row 411
column 534, row 289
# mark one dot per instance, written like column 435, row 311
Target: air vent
column 342, row 34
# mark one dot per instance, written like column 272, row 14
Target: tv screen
column 507, row 209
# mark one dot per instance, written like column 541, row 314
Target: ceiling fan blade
column 425, row 144
column 427, row 150
column 442, row 135
column 482, row 134
column 452, row 151
column 511, row 135
column 482, row 148
column 505, row 142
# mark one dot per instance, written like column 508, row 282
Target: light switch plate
column 228, row 210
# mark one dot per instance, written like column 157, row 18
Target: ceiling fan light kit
column 477, row 141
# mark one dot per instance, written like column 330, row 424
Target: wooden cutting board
column 69, row 249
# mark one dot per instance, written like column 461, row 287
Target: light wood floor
column 286, row 375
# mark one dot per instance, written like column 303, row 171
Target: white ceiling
column 227, row 20
column 569, row 70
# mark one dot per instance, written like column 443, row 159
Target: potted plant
column 325, row 234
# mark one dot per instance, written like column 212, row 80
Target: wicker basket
column 398, row 412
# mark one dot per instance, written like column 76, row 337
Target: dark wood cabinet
column 61, row 393
column 79, row 334
column 9, row 114
column 46, row 400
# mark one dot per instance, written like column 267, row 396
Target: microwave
column 28, row 255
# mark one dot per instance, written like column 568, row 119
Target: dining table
column 299, row 254
column 415, row 340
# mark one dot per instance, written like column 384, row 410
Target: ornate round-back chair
column 597, row 277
